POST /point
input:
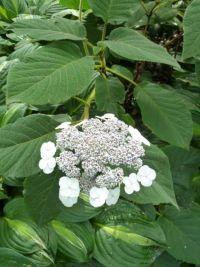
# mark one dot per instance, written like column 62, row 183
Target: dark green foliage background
column 70, row 60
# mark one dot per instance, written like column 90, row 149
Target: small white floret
column 98, row 196
column 47, row 165
column 47, row 150
column 131, row 184
column 146, row 175
column 69, row 187
column 138, row 136
column 64, row 125
column 113, row 196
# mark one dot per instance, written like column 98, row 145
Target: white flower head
column 64, row 125
column 113, row 196
column 131, row 184
column 146, row 175
column 136, row 135
column 47, row 165
column 47, row 150
column 107, row 116
column 69, row 187
column 98, row 196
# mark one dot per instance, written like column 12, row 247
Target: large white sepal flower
column 113, row 196
column 146, row 175
column 131, row 184
column 47, row 150
column 136, row 135
column 98, row 196
column 107, row 116
column 47, row 165
column 69, row 191
column 47, row 162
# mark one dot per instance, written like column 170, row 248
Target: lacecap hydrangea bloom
column 97, row 156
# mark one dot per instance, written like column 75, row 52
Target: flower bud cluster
column 95, row 157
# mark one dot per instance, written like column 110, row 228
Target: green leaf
column 109, row 94
column 132, row 45
column 80, row 212
column 161, row 190
column 74, row 4
column 9, row 257
column 20, row 145
column 50, row 75
column 113, row 11
column 75, row 241
column 165, row 113
column 50, row 30
column 126, row 237
column 24, row 239
column 41, row 196
column 182, row 233
column 184, row 166
column 15, row 112
column 165, row 260
column 191, row 25
column 14, row 7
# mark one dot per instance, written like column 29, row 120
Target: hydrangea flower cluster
column 97, row 156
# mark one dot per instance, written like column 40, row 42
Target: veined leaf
column 191, row 25
column 165, row 113
column 20, row 145
column 109, row 94
column 50, row 75
column 182, row 232
column 113, row 11
column 74, row 4
column 132, row 45
column 50, row 30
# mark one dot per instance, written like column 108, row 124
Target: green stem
column 85, row 46
column 82, row 101
column 121, row 76
column 86, row 112
column 104, row 32
column 80, row 10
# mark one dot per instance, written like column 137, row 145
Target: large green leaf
column 50, row 75
column 74, row 4
column 9, row 257
column 24, row 239
column 126, row 237
column 113, row 11
column 166, row 260
column 191, row 24
column 80, row 212
column 76, row 241
column 109, row 94
column 182, row 233
column 132, row 45
column 50, row 30
column 161, row 190
column 41, row 196
column 184, row 166
column 165, row 113
column 20, row 144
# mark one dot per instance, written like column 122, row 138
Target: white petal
column 64, row 125
column 107, row 116
column 131, row 184
column 42, row 164
column 47, row 150
column 68, row 201
column 146, row 171
column 48, row 170
column 69, row 186
column 113, row 196
column 146, row 182
column 98, row 196
column 138, row 136
column 51, row 162
column 129, row 190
